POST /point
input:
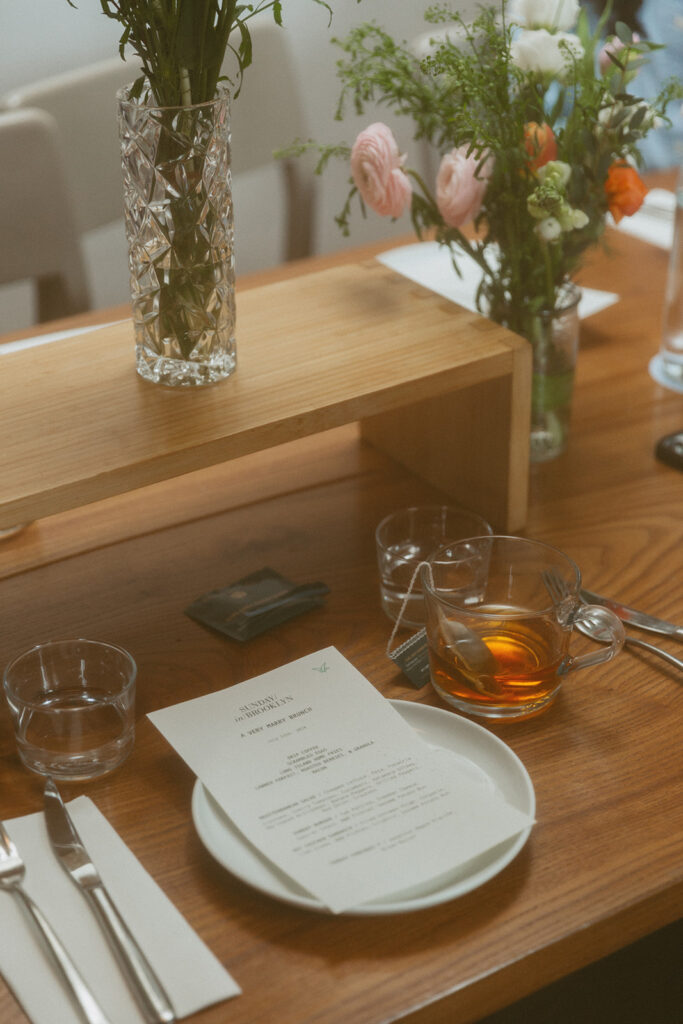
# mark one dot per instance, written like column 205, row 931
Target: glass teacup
column 500, row 615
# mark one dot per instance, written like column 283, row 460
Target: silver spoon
column 600, row 633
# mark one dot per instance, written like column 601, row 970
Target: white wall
column 317, row 57
column 46, row 37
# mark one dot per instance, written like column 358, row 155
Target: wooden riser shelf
column 441, row 389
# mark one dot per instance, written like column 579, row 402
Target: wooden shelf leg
column 473, row 444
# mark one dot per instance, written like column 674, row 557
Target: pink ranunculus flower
column 377, row 171
column 459, row 190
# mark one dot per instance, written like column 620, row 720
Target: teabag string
column 412, row 655
column 404, row 603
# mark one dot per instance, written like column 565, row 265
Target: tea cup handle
column 602, row 625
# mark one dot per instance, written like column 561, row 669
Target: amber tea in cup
column 500, row 615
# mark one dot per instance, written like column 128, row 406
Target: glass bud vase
column 179, row 226
column 554, row 337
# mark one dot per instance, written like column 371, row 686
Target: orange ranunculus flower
column 625, row 190
column 539, row 142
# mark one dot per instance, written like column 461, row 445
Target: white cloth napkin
column 189, row 971
column 430, row 264
column 654, row 221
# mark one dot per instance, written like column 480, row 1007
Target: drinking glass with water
column 410, row 536
column 73, row 707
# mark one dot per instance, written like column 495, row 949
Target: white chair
column 40, row 238
column 83, row 104
column 267, row 115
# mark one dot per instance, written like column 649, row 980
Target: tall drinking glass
column 671, row 349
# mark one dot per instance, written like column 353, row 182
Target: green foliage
column 182, row 44
column 471, row 92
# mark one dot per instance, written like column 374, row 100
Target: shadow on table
column 642, row 984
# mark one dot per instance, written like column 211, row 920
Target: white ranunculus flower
column 549, row 229
column 544, row 52
column 551, row 14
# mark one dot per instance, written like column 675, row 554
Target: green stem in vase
column 186, row 272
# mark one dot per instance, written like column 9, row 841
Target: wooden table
column 604, row 865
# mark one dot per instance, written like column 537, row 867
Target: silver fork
column 557, row 587
column 12, row 871
column 559, row 591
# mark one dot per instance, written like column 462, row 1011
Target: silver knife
column 634, row 618
column 69, row 849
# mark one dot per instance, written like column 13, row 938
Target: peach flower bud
column 376, row 169
column 539, row 142
column 459, row 192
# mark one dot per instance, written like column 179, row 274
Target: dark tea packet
column 256, row 603
column 412, row 657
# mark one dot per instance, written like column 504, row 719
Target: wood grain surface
column 327, row 348
column 604, row 864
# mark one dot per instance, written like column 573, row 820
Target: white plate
column 487, row 757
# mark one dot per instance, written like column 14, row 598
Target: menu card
column 325, row 778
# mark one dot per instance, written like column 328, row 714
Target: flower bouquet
column 174, row 127
column 537, row 130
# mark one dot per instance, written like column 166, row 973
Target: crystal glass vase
column 179, row 225
column 554, row 338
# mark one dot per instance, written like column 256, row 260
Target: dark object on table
column 255, row 604
column 669, row 449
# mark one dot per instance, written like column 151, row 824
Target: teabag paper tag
column 255, row 603
column 412, row 657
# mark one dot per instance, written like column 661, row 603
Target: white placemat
column 654, row 221
column 430, row 264
column 189, row 971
